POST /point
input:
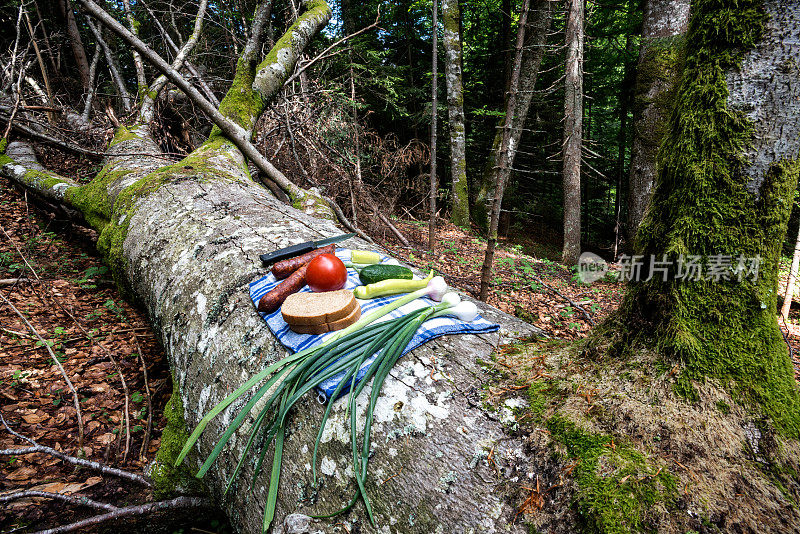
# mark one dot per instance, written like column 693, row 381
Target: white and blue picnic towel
column 430, row 329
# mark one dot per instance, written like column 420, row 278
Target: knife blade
column 301, row 248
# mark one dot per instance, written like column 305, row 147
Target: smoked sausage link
column 273, row 300
column 284, row 268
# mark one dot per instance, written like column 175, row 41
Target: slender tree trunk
column 505, row 154
column 133, row 26
column 791, row 282
column 573, row 134
column 451, row 19
column 535, row 41
column 76, row 43
column 434, row 119
column 622, row 138
column 727, row 174
column 657, row 77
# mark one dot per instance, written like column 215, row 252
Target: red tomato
column 326, row 272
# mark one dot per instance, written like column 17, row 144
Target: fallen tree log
column 184, row 241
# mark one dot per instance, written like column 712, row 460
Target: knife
column 301, row 248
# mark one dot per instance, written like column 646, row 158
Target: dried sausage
column 284, row 268
column 273, row 300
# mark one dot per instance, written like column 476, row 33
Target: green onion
column 292, row 377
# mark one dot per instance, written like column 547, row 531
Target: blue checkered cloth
column 430, row 329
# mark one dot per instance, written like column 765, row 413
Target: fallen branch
column 5, row 282
column 80, row 500
column 89, row 464
column 141, row 509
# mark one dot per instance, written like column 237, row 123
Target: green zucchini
column 375, row 273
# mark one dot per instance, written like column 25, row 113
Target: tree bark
column 622, row 137
column 76, row 42
column 657, row 77
column 727, row 172
column 505, row 155
column 451, row 19
column 434, row 120
column 573, row 134
column 535, row 40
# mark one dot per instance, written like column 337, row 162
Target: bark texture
column 535, row 39
column 75, row 41
column 451, row 19
column 573, row 134
column 657, row 77
column 185, row 239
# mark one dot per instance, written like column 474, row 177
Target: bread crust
column 332, row 326
column 310, row 309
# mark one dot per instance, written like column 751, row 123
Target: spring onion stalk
column 290, row 378
column 379, row 370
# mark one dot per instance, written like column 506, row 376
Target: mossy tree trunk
column 728, row 170
column 657, row 75
column 451, row 19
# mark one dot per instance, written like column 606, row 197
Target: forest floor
column 50, row 272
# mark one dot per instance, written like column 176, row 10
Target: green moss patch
column 168, row 479
column 617, row 485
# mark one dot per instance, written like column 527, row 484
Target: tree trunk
column 622, row 137
column 573, row 134
column 451, row 19
column 658, row 74
column 76, row 43
column 788, row 296
column 504, row 154
column 728, row 170
column 434, row 120
column 535, row 40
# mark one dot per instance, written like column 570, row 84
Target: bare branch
column 89, row 464
column 79, row 500
column 87, row 106
column 142, row 509
column 148, row 102
column 322, row 54
column 112, row 67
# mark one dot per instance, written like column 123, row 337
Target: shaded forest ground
column 69, row 298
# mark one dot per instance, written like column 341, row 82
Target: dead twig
column 141, row 509
column 146, row 440
column 89, row 464
column 75, row 399
column 79, row 500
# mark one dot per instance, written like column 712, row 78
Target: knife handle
column 288, row 252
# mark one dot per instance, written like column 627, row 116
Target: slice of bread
column 312, row 309
column 322, row 328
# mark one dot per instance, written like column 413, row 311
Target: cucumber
column 375, row 273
